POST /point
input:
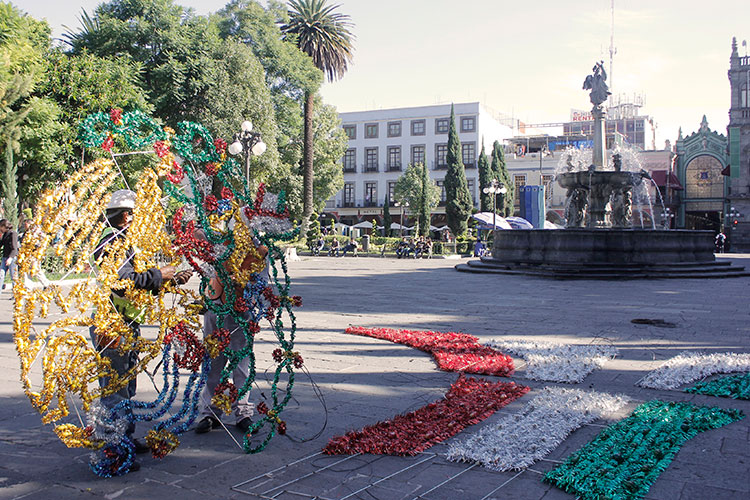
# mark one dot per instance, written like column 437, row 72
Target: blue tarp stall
column 531, row 203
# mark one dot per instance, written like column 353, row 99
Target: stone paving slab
column 365, row 380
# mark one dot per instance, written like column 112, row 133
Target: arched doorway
column 704, row 193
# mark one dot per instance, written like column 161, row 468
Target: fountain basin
column 604, row 254
column 612, row 246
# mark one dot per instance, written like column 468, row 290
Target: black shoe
column 206, row 424
column 135, row 466
column 141, row 447
column 245, row 424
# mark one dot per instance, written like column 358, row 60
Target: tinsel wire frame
column 68, row 224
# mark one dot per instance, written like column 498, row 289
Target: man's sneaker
column 206, row 424
column 245, row 424
column 141, row 447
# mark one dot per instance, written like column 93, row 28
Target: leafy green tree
column 458, row 203
column 325, row 36
column 485, row 179
column 505, row 208
column 415, row 189
column 387, row 220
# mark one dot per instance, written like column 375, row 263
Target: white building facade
column 382, row 143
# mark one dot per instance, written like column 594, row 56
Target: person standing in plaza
column 9, row 243
column 119, row 215
column 242, row 408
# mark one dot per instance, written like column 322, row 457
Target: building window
column 371, row 194
column 351, row 131
column 744, row 96
column 468, row 124
column 441, row 151
column 441, row 125
column 547, row 181
column 348, row 194
column 417, row 127
column 417, row 154
column 394, row 158
column 371, row 159
column 441, row 185
column 391, row 191
column 470, row 185
column 371, row 131
column 519, row 180
column 350, row 160
column 469, row 154
column 394, row 129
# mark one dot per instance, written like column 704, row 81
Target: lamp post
column 666, row 217
column 247, row 142
column 734, row 215
column 496, row 187
column 401, row 220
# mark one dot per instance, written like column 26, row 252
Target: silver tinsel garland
column 518, row 440
column 691, row 366
column 554, row 362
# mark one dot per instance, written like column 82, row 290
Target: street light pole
column 248, row 143
column 494, row 189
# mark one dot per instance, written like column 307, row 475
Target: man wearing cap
column 119, row 215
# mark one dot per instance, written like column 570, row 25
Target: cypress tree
column 387, row 215
column 313, row 230
column 424, row 205
column 10, row 189
column 485, row 178
column 458, row 202
column 500, row 172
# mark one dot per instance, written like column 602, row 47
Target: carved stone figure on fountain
column 622, row 208
column 575, row 212
column 596, row 82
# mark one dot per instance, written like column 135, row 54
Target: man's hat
column 122, row 199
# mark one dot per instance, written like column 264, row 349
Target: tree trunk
column 307, row 162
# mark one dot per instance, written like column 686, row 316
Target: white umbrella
column 363, row 225
column 551, row 225
column 488, row 219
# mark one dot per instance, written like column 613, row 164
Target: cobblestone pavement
column 364, row 380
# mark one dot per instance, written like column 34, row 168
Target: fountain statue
column 599, row 240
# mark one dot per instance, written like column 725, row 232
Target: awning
column 660, row 178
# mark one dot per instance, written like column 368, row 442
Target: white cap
column 121, row 199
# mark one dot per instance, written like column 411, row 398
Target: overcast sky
column 525, row 59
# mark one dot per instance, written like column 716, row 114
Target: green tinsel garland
column 187, row 140
column 626, row 458
column 734, row 386
column 136, row 127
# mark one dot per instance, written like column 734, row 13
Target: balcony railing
column 370, row 168
column 394, row 168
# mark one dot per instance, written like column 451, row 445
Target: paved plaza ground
column 363, row 380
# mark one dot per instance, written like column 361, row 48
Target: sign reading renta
column 577, row 115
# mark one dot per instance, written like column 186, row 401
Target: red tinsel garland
column 469, row 401
column 452, row 351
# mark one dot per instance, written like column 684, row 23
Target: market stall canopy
column 487, row 219
column 396, row 225
column 363, row 225
column 551, row 225
column 519, row 223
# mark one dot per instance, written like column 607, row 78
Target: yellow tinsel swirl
column 77, row 437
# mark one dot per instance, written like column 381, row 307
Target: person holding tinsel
column 230, row 335
column 119, row 215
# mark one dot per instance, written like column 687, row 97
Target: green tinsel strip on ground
column 624, row 460
column 734, row 386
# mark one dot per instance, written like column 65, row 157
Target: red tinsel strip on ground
column 468, row 402
column 453, row 352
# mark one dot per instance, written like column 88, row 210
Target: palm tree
column 325, row 36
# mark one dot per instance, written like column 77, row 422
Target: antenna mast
column 612, row 49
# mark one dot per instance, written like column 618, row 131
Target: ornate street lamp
column 734, row 215
column 402, row 205
column 666, row 217
column 248, row 143
column 496, row 187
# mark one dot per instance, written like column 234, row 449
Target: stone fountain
column 598, row 240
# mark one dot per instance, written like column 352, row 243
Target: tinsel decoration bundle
column 691, row 366
column 625, row 459
column 554, row 362
column 452, row 351
column 59, row 364
column 469, row 401
column 518, row 440
column 734, row 386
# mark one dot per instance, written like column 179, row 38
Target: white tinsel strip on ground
column 557, row 362
column 691, row 366
column 520, row 439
